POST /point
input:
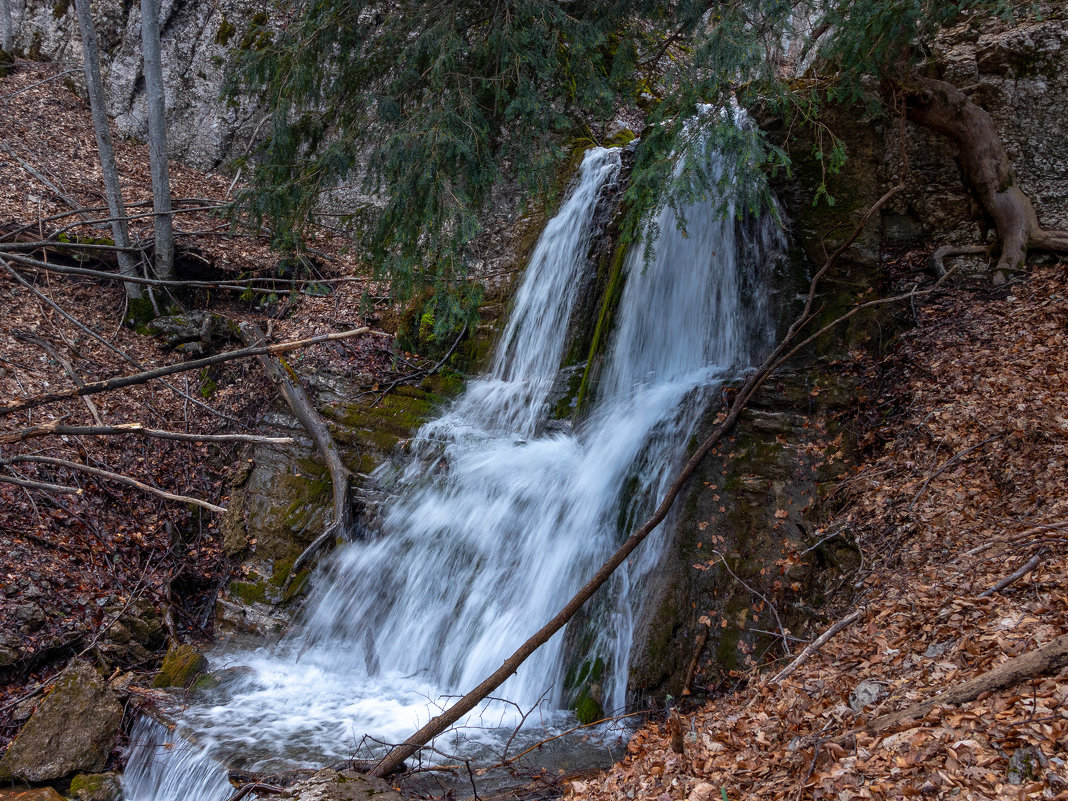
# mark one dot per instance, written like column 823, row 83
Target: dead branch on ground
column 1042, row 661
column 288, row 384
column 119, row 382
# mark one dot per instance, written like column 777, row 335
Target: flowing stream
column 496, row 520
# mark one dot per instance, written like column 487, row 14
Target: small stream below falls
column 495, row 522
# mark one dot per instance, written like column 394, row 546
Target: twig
column 950, row 462
column 136, row 429
column 48, row 184
column 196, row 364
column 68, row 368
column 816, row 644
column 106, row 343
column 1016, row 575
column 782, row 629
column 258, row 788
column 96, row 471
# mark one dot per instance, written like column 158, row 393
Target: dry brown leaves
column 966, row 467
column 66, row 560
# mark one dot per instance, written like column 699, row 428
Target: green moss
column 226, row 31
column 621, row 139
column 95, row 787
column 588, row 710
column 297, row 585
column 251, row 592
column 139, row 311
column 205, row 682
column 181, row 665
column 444, row 384
column 60, row 9
column 613, row 292
column 207, row 385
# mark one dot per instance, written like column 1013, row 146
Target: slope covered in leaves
column 70, row 564
column 965, row 481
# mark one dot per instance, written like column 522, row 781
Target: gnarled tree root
column 945, row 109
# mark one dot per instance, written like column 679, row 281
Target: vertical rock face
column 203, row 130
column 72, row 731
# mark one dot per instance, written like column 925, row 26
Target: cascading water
column 495, row 524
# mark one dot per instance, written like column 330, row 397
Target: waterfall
column 495, row 521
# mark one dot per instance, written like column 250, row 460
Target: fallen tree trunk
column 283, row 377
column 1048, row 659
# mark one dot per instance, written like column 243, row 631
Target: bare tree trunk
column 157, row 139
column 283, row 377
column 945, row 109
column 7, row 31
column 98, row 105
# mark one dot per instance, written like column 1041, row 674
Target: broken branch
column 1049, row 658
column 96, row 471
column 109, row 384
column 136, row 429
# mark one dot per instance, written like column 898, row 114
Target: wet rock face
column 202, row 130
column 72, row 731
column 746, row 539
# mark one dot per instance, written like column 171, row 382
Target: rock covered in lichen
column 96, row 787
column 72, row 731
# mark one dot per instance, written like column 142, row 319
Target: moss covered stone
column 181, row 665
column 96, row 787
column 588, row 710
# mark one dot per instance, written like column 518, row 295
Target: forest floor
column 963, row 480
column 71, row 563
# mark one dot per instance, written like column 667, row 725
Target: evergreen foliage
column 424, row 106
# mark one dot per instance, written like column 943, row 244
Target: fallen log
column 1042, row 661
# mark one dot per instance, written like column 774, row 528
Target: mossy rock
column 72, row 731
column 181, row 665
column 588, row 710
column 96, row 787
column 249, row 592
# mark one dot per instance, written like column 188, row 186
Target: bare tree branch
column 135, row 429
column 140, row 378
column 96, row 471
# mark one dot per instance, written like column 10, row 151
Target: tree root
column 945, row 109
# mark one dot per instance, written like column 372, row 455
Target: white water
column 495, row 525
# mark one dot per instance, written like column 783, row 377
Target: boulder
column 330, row 785
column 72, row 731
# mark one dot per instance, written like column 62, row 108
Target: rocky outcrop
column 1019, row 74
column 72, row 731
column 181, row 666
column 203, row 130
